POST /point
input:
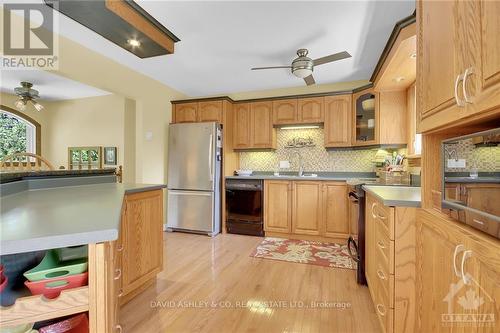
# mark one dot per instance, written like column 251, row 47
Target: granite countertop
column 12, row 176
column 341, row 176
column 398, row 196
column 41, row 219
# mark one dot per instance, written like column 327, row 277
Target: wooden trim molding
column 38, row 127
column 400, row 25
column 333, row 93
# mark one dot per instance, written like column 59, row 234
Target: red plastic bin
column 51, row 288
column 76, row 324
column 3, row 279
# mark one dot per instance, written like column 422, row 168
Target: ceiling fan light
column 20, row 104
column 302, row 72
column 38, row 106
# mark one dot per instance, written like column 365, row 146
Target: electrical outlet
column 284, row 164
column 452, row 163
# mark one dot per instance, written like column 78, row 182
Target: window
column 17, row 133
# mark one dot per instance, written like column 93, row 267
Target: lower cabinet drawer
column 385, row 249
column 384, row 311
column 385, row 285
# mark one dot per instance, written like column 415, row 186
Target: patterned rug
column 305, row 252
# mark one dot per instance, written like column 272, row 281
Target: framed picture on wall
column 110, row 155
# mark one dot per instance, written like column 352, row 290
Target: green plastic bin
column 51, row 267
column 72, row 252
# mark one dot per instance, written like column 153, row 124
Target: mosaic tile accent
column 314, row 158
column 484, row 159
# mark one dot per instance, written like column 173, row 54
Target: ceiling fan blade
column 309, row 80
column 331, row 57
column 271, row 67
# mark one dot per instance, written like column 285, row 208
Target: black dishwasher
column 244, row 207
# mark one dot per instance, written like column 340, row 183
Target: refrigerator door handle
column 210, row 148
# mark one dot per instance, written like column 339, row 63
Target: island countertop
column 41, row 219
column 397, row 196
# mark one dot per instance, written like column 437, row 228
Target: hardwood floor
column 220, row 271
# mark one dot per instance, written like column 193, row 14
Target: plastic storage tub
column 51, row 267
column 22, row 328
column 51, row 288
column 76, row 324
column 72, row 252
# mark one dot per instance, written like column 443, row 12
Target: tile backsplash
column 315, row 158
column 484, row 159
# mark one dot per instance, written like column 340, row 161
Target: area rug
column 305, row 252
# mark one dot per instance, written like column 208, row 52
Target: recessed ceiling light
column 399, row 79
column 134, row 42
column 413, row 56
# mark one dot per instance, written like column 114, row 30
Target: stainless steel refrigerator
column 194, row 178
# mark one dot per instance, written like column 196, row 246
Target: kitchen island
column 42, row 214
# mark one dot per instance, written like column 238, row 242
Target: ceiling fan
column 303, row 66
column 26, row 94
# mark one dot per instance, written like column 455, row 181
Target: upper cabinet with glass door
column 365, row 118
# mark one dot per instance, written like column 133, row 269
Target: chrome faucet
column 301, row 166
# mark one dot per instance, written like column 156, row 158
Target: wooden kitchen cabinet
column 307, row 207
column 141, row 241
column 242, row 126
column 310, row 110
column 442, row 246
column 185, row 113
column 390, row 263
column 263, row 135
column 335, row 207
column 392, row 118
column 469, row 83
column 210, row 111
column 253, row 126
column 338, row 121
column 365, row 121
column 277, row 206
column 285, row 111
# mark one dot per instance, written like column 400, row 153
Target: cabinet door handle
column 118, row 274
column 381, row 274
column 467, row 72
column 465, row 276
column 381, row 309
column 458, row 248
column 120, row 292
column 120, row 248
column 459, row 102
column 119, row 328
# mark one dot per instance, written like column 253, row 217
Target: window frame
column 37, row 146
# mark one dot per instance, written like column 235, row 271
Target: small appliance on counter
column 244, row 204
column 194, row 178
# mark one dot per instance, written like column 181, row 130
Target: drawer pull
column 118, row 274
column 381, row 244
column 120, row 292
column 381, row 274
column 118, row 328
column 120, row 248
column 381, row 309
column 373, row 210
column 478, row 221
